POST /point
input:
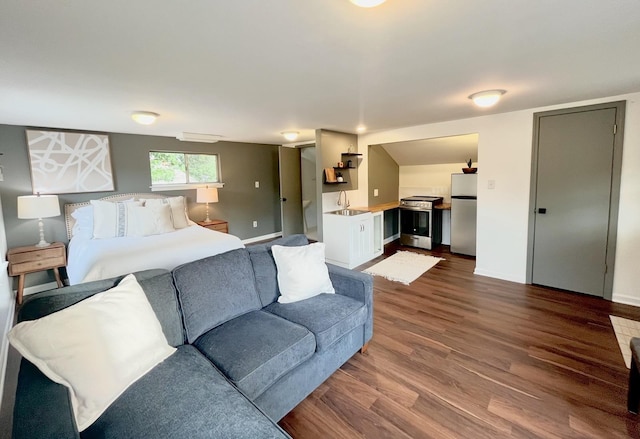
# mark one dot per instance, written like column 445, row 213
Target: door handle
column 283, row 199
column 542, row 210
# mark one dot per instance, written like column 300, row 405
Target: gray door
column 290, row 191
column 573, row 200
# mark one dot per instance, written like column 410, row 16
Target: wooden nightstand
column 217, row 225
column 25, row 260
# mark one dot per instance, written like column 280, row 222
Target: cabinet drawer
column 36, row 265
column 219, row 227
column 36, row 255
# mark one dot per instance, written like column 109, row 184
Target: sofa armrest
column 358, row 286
column 42, row 408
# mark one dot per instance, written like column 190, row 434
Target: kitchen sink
column 349, row 212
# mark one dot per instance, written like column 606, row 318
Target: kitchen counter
column 396, row 204
column 380, row 207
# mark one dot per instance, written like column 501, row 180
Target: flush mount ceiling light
column 487, row 98
column 290, row 135
column 198, row 137
column 144, row 117
column 367, row 3
column 361, row 128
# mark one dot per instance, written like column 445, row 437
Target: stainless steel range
column 420, row 224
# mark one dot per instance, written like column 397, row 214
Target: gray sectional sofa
column 243, row 360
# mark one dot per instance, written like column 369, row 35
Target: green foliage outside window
column 182, row 168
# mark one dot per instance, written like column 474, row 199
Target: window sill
column 182, row 187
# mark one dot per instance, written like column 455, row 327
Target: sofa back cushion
column 264, row 266
column 156, row 284
column 214, row 290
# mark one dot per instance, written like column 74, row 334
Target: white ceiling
column 249, row 69
column 439, row 150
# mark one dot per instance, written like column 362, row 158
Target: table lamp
column 38, row 206
column 207, row 195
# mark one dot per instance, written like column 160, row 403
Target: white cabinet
column 348, row 239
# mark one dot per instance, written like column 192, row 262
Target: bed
column 92, row 259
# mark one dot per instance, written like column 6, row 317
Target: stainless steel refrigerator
column 464, row 194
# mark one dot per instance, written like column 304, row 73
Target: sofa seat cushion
column 184, row 396
column 328, row 316
column 254, row 350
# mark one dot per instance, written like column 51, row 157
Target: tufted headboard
column 70, row 208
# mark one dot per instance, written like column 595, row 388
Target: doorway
column 298, row 190
column 576, row 163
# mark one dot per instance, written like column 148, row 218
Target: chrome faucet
column 346, row 201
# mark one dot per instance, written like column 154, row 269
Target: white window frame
column 186, row 186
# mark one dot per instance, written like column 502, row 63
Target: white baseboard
column 37, row 288
column 502, row 276
column 262, row 238
column 627, row 300
column 4, row 347
column 391, row 239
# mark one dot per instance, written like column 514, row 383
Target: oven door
column 415, row 222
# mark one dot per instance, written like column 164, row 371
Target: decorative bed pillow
column 152, row 220
column 83, row 225
column 96, row 348
column 178, row 209
column 302, row 272
column 111, row 219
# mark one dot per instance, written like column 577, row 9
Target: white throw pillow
column 152, row 220
column 83, row 225
column 302, row 272
column 97, row 347
column 178, row 209
column 111, row 219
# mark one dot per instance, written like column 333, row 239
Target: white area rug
column 404, row 267
column 625, row 330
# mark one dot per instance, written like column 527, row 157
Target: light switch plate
column 375, row 192
column 491, row 184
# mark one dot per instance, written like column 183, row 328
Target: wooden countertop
column 380, row 207
column 395, row 204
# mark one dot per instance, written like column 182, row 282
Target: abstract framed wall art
column 65, row 162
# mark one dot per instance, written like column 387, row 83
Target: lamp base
column 42, row 242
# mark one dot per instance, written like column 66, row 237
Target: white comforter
column 94, row 259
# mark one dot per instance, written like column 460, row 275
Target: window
column 179, row 169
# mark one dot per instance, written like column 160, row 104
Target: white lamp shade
column 207, row 195
column 38, row 206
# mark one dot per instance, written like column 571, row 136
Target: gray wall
column 384, row 175
column 330, row 145
column 240, row 202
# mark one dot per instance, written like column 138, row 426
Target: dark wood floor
column 456, row 355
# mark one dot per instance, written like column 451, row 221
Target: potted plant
column 469, row 169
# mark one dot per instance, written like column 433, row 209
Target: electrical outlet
column 491, row 184
column 375, row 192
column 257, row 186
column 255, row 224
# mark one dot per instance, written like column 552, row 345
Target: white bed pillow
column 178, row 209
column 83, row 225
column 96, row 348
column 111, row 219
column 302, row 272
column 151, row 220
